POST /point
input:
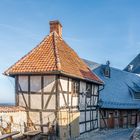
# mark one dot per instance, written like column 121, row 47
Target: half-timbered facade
column 120, row 97
column 56, row 87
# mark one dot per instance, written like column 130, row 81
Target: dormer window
column 136, row 95
column 107, row 69
column 135, row 91
column 107, row 72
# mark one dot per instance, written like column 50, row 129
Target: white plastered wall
column 35, row 86
column 35, row 83
column 36, row 97
column 63, row 96
column 35, row 101
column 49, row 86
column 23, row 83
column 23, row 86
column 19, row 118
column 49, row 83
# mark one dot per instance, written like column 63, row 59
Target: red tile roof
column 11, row 109
column 53, row 55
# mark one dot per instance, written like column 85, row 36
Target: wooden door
column 111, row 120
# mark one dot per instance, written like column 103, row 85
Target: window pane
column 89, row 90
column 75, row 87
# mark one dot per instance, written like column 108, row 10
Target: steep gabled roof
column 116, row 92
column 53, row 55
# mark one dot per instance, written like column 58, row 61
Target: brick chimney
column 56, row 26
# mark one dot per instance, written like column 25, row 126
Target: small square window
column 75, row 87
column 89, row 90
column 104, row 113
column 116, row 113
column 136, row 95
column 107, row 72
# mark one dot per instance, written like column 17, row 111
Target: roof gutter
column 54, row 72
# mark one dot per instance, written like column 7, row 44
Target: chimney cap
column 56, row 26
column 55, row 22
column 107, row 62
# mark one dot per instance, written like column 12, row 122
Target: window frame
column 107, row 72
column 75, row 87
column 88, row 93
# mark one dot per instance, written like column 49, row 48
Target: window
column 89, row 89
column 106, row 72
column 116, row 113
column 106, row 69
column 104, row 113
column 75, row 87
column 136, row 95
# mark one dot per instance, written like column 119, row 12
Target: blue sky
column 97, row 30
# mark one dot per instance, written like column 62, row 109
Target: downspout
column 136, row 119
column 99, row 108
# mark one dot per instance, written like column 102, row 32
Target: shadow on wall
column 65, row 127
column 68, row 124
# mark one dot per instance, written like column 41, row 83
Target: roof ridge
column 57, row 59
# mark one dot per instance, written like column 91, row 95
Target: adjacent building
column 134, row 65
column 120, row 97
column 56, row 87
column 12, row 119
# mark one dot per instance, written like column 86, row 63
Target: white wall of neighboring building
column 17, row 120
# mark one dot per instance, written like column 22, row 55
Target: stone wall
column 12, row 120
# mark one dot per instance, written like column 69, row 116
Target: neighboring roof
column 53, row 55
column 116, row 93
column 92, row 65
column 135, row 63
column 11, row 109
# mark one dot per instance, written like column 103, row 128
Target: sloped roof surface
column 92, row 65
column 116, row 92
column 135, row 63
column 53, row 55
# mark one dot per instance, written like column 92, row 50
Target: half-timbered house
column 56, row 87
column 120, row 97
